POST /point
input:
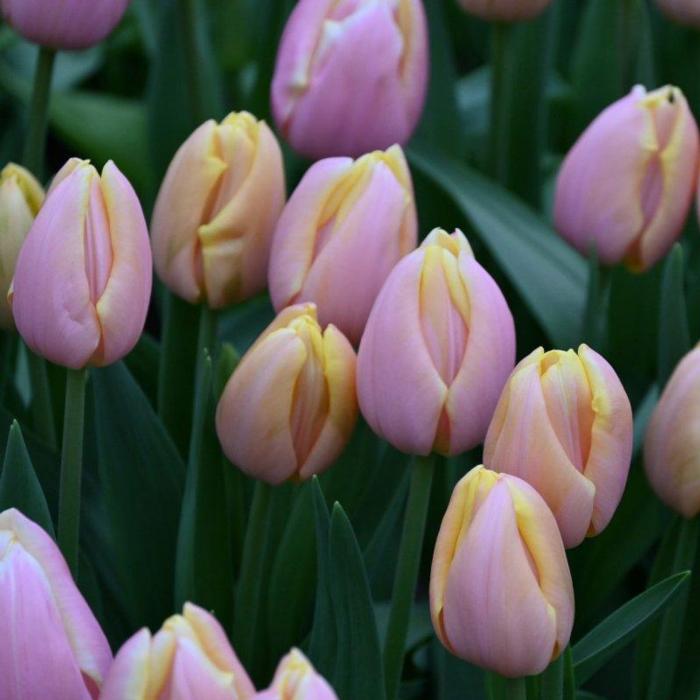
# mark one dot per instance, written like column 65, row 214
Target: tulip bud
column 83, row 278
column 68, row 24
column 351, row 76
column 21, row 196
column 52, row 645
column 504, row 10
column 297, row 679
column 627, row 184
column 682, row 11
column 501, row 595
column 189, row 657
column 564, row 425
column 438, row 347
column 672, row 441
column 343, row 230
column 289, row 408
column 216, row 212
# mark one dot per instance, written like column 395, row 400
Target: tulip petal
column 128, row 677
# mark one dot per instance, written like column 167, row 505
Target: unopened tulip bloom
column 504, row 10
column 216, row 212
column 672, row 441
column 297, row 679
column 52, row 645
column 351, row 75
column 83, row 278
column 564, row 424
column 21, row 196
column 438, row 347
column 343, row 230
column 64, row 24
column 501, row 595
column 626, row 186
column 289, row 408
column 189, row 657
column 682, row 11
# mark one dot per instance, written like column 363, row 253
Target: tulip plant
column 350, row 350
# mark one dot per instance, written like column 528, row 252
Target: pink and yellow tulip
column 297, row 679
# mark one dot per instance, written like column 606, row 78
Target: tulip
column 501, row 595
column 68, row 24
column 438, row 347
column 297, row 679
column 83, row 277
column 52, row 645
column 626, row 186
column 21, row 197
column 189, row 657
column 343, row 230
column 351, row 75
column 289, row 408
column 564, row 425
column 504, row 10
column 682, row 11
column 672, row 441
column 216, row 212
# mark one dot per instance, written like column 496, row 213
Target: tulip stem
column 42, row 408
column 35, row 145
column 407, row 572
column 516, row 689
column 595, row 319
column 188, row 30
column 499, row 136
column 206, row 340
column 72, row 467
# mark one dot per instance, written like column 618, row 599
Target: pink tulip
column 216, row 212
column 504, row 10
column 627, row 184
column 52, row 645
column 672, row 441
column 188, row 658
column 297, row 679
column 351, row 75
column 564, row 425
column 682, row 11
column 64, row 24
column 438, row 347
column 83, row 278
column 290, row 408
column 501, row 595
column 21, row 197
column 343, row 230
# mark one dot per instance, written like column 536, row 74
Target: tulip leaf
column 141, row 476
column 674, row 336
column 549, row 275
column 622, row 626
column 19, row 485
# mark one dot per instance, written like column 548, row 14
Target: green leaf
column 674, row 336
column 549, row 275
column 19, row 485
column 142, row 362
column 622, row 626
column 142, row 481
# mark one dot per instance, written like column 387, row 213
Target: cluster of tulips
column 418, row 338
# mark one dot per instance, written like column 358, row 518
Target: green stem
column 407, row 572
column 515, row 689
column 247, row 608
column 595, row 319
column 500, row 124
column 42, row 408
column 72, row 467
column 206, row 339
column 188, row 29
column 35, row 145
column 671, row 629
column 552, row 680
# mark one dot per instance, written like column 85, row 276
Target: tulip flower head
column 83, row 277
column 501, row 595
column 52, row 645
column 504, row 10
column 297, row 679
column 216, row 212
column 627, row 185
column 21, row 197
column 438, row 347
column 682, row 11
column 351, row 75
column 343, row 230
column 289, row 408
column 564, row 425
column 68, row 24
column 672, row 441
column 189, row 657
